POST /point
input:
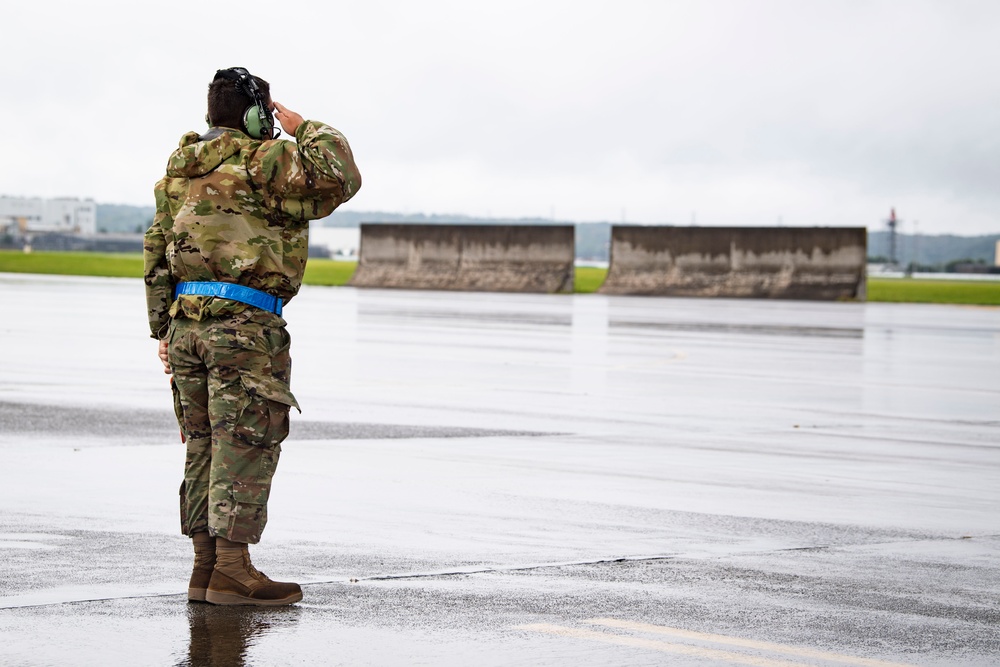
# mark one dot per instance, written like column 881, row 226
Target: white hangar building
column 34, row 214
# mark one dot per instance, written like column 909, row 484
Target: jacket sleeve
column 159, row 284
column 308, row 180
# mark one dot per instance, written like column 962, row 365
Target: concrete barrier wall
column 820, row 263
column 488, row 258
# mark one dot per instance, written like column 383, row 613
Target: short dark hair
column 227, row 103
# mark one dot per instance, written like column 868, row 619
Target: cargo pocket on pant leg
column 249, row 514
column 263, row 422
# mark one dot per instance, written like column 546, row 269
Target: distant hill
column 934, row 250
column 122, row 218
column 593, row 238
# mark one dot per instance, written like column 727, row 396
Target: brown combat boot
column 236, row 581
column 204, row 565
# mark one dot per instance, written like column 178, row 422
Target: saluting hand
column 289, row 120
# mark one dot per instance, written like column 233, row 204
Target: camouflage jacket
column 236, row 209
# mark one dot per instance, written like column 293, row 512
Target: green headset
column 257, row 119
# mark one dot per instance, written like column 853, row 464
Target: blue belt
column 233, row 292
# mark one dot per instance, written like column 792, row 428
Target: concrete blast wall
column 819, row 263
column 489, row 258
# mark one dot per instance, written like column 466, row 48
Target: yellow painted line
column 663, row 647
column 745, row 643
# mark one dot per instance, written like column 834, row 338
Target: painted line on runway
column 662, row 646
column 738, row 641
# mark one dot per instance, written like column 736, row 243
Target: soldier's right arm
column 156, row 269
column 309, row 179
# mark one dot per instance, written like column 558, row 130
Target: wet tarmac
column 500, row 479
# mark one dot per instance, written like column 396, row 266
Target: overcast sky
column 715, row 112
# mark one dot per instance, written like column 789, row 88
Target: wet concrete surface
column 137, row 424
column 513, row 479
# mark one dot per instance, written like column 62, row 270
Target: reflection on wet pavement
column 222, row 636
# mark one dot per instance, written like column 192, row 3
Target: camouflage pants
column 232, row 401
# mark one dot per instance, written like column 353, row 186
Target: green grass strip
column 894, row 290
column 922, row 290
column 114, row 265
column 588, row 279
column 333, row 272
column 129, row 265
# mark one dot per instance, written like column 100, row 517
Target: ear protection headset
column 257, row 119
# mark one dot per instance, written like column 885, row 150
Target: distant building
column 996, row 255
column 34, row 214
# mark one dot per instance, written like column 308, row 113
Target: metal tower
column 892, row 223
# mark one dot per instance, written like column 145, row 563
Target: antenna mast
column 893, row 223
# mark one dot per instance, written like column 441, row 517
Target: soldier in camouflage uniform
column 235, row 209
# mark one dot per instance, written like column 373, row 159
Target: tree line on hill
column 593, row 239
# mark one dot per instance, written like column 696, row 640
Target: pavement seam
column 520, row 568
column 636, row 559
column 510, row 568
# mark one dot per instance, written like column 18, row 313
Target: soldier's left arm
column 308, row 180
column 156, row 270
